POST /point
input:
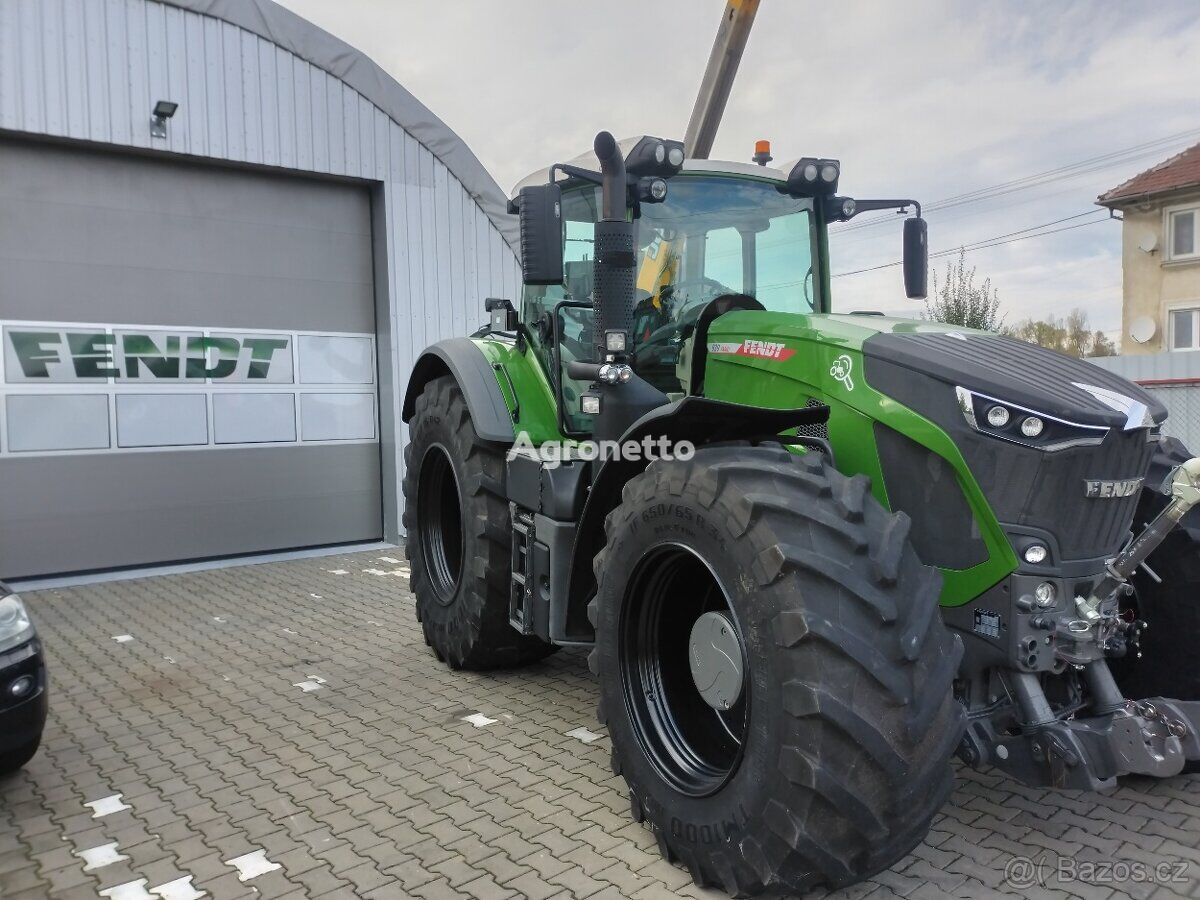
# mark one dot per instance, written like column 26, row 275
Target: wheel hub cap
column 715, row 658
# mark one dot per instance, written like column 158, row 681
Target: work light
column 811, row 177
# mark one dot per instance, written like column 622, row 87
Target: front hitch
column 1153, row 737
column 1183, row 487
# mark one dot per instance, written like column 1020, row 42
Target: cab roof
column 588, row 160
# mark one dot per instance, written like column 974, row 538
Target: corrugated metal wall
column 1174, row 378
column 93, row 69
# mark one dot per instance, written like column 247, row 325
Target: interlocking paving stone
column 376, row 784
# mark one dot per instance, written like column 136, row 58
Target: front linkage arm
column 1149, row 737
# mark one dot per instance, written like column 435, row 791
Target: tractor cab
column 721, row 236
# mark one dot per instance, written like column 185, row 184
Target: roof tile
column 1180, row 171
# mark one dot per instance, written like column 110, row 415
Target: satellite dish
column 1142, row 329
column 1148, row 242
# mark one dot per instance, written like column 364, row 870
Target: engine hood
column 1018, row 372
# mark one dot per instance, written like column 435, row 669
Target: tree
column 959, row 302
column 1070, row 335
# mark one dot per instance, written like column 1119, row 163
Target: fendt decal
column 82, row 355
column 755, row 349
column 1102, row 489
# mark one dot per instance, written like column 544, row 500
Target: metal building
column 1174, row 379
column 208, row 318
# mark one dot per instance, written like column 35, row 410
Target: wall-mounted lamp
column 162, row 111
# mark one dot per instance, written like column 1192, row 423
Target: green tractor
column 815, row 555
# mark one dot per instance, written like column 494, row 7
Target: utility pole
column 718, row 77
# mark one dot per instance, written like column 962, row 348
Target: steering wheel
column 705, row 289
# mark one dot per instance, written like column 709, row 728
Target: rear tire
column 1167, row 667
column 847, row 720
column 459, row 537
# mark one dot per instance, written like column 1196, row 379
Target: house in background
column 1160, row 256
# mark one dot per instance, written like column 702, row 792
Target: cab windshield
column 712, row 236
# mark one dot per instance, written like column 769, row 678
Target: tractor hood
column 1020, row 373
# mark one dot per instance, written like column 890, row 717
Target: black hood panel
column 1012, row 370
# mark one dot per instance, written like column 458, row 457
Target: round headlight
column 660, row 153
column 1036, row 554
column 810, row 172
column 675, row 156
column 997, row 416
column 20, row 687
column 1045, row 594
column 1032, row 427
column 658, row 189
column 829, row 173
column 848, row 207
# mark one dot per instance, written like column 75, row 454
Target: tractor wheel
column 774, row 672
column 459, row 538
column 1167, row 666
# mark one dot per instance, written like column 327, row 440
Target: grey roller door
column 188, row 361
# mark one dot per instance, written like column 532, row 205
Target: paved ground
column 293, row 709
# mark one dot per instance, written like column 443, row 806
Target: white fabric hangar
column 225, row 236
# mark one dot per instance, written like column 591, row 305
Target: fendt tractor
column 826, row 552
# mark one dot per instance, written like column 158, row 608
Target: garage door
column 188, row 362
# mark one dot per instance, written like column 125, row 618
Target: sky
column 930, row 99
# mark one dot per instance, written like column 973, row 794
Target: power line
column 1071, row 170
column 998, row 240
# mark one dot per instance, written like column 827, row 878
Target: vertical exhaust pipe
column 613, row 268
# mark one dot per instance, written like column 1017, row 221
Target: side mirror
column 916, row 258
column 540, row 209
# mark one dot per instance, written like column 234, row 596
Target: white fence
column 1173, row 378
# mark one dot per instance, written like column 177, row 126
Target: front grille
column 1047, row 490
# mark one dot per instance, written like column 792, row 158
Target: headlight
column 15, row 627
column 1019, row 425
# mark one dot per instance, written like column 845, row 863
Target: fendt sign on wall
column 83, row 388
column 59, row 356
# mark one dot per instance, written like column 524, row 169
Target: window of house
column 1185, row 329
column 1182, row 238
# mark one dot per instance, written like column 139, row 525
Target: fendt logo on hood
column 755, row 349
column 78, row 355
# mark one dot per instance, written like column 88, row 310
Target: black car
column 22, row 684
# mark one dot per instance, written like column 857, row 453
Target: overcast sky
column 925, row 99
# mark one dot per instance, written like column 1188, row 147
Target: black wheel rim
column 439, row 523
column 694, row 747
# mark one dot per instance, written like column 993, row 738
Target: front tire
column 459, row 537
column 830, row 764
